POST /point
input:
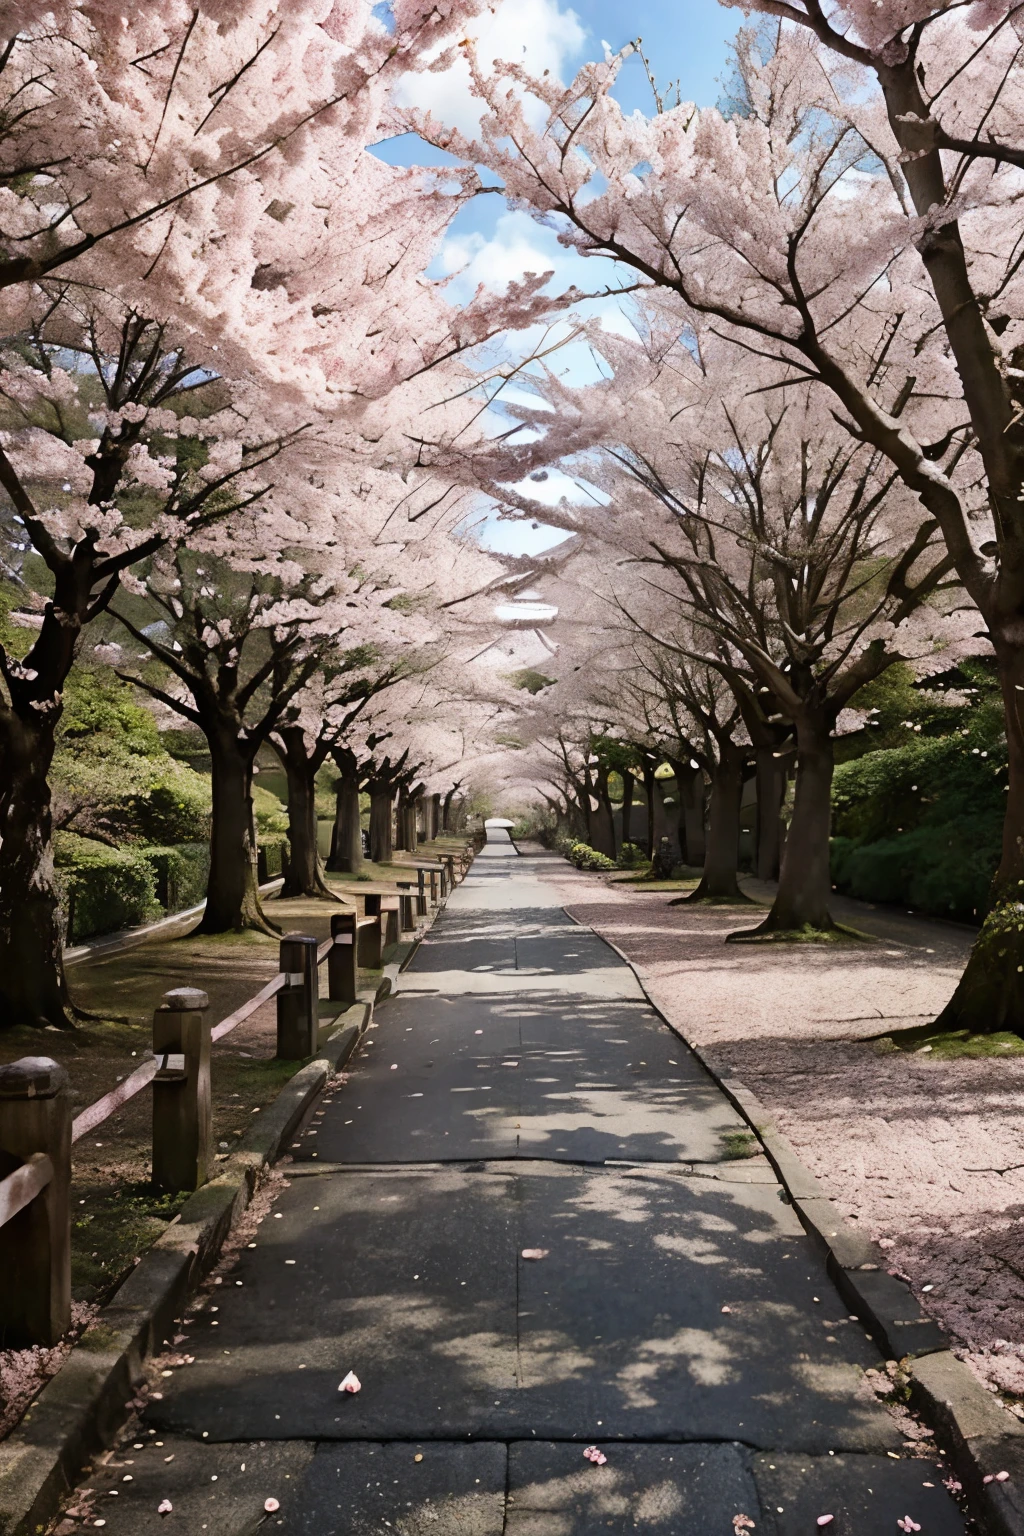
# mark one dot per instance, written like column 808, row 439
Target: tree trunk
column 302, row 877
column 447, row 819
column 722, row 852
column 649, row 792
column 602, row 826
column 408, row 825
column 381, row 849
column 346, row 836
column 33, row 991
column 627, row 807
column 990, row 994
column 232, row 893
column 805, row 885
column 433, row 817
column 771, row 792
column 692, row 840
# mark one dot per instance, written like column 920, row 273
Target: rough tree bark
column 692, row 796
column 805, row 885
column 627, row 807
column 771, row 792
column 990, row 995
column 721, row 857
column 346, row 835
column 649, row 793
column 602, row 826
column 232, row 891
column 381, row 845
column 303, row 877
column 32, row 985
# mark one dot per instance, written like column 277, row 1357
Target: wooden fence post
column 342, row 960
column 182, row 1109
column 369, row 949
column 298, row 1002
column 35, row 1245
column 406, row 918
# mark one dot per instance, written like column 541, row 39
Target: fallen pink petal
column 165, row 1507
column 536, row 1253
column 350, row 1383
column 271, row 1506
column 825, row 1519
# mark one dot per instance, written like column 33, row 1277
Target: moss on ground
column 110, row 1229
column 839, row 935
column 955, row 1045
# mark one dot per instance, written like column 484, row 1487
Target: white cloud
column 535, row 33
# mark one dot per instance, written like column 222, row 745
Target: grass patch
column 647, row 884
column 739, row 1144
column 110, row 1228
column 956, row 1045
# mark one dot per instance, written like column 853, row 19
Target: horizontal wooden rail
column 103, row 1108
column 225, row 1026
column 21, row 1187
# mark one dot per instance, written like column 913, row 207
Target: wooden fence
column 37, row 1130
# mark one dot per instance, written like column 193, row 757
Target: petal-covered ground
column 926, row 1155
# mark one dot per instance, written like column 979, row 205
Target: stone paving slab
column 866, row 1495
column 361, row 1490
column 496, row 1077
column 670, row 1490
column 415, row 1281
column 492, row 1488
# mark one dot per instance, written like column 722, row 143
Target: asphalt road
column 520, row 1097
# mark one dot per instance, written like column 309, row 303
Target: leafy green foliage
column 103, row 889
column 271, row 815
column 530, row 679
column 632, row 856
column 921, row 823
column 585, row 857
column 112, row 778
column 180, row 874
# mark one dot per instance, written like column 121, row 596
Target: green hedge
column 585, row 857
column 103, row 888
column 921, row 824
column 180, row 872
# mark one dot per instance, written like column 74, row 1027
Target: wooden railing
column 37, row 1130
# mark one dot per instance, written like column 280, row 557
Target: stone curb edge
column 980, row 1438
column 81, row 1408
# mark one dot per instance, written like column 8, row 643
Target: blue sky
column 686, row 41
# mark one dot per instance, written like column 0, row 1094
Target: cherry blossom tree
column 853, row 223
column 115, row 446
column 148, row 137
column 796, row 549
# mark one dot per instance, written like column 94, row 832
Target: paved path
column 520, row 1094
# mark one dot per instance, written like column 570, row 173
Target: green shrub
column 103, row 889
column 632, row 856
column 270, row 813
column 174, row 809
column 585, row 857
column 270, row 858
column 921, row 824
column 180, row 873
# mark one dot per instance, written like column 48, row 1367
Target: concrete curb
column 980, row 1439
column 80, row 1410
